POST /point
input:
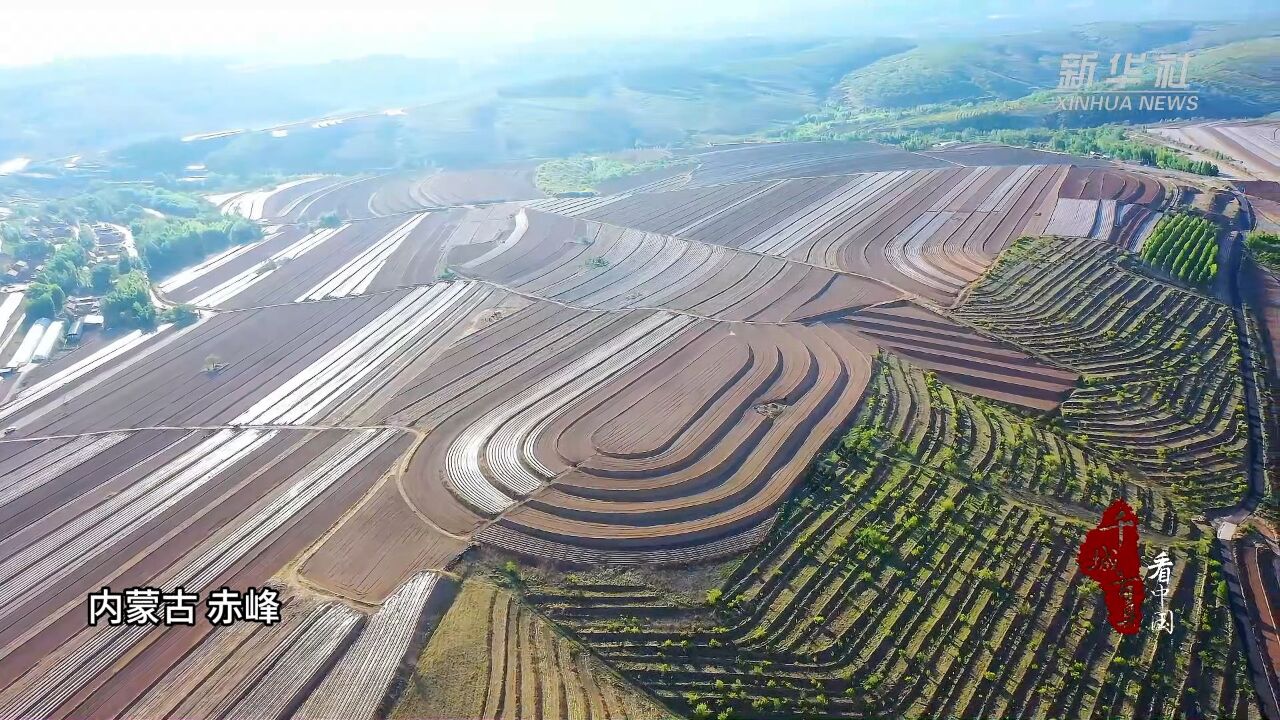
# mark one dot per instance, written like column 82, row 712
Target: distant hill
column 1232, row 60
column 556, row 100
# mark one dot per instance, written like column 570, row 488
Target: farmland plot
column 266, row 530
column 282, row 364
column 1163, row 389
column 591, row 265
column 358, row 685
column 515, row 426
column 1255, row 145
column 252, row 670
column 925, row 231
column 664, row 375
column 896, row 562
column 454, row 187
column 960, row 355
column 772, row 161
column 494, row 657
column 981, row 154
column 326, row 263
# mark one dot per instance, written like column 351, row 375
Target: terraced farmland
column 925, row 570
column 495, row 657
column 1162, row 379
column 765, row 436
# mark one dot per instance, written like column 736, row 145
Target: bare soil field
column 982, row 154
column 376, row 547
column 265, row 518
column 455, row 187
column 598, row 266
column 163, row 382
column 720, row 164
column 928, row 232
column 965, row 358
column 831, row 368
column 1252, row 146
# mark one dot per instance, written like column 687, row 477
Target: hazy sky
column 36, row 31
column 40, row 30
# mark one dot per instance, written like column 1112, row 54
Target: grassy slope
column 995, row 82
column 452, row 674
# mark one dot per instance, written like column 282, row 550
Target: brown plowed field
column 981, row 154
column 1253, row 145
column 1097, row 183
column 169, row 387
column 927, row 231
column 377, row 547
column 593, row 265
column 290, row 279
column 742, row 406
column 207, row 682
column 242, row 262
column 771, row 161
column 965, row 358
column 1264, row 189
column 129, row 677
column 285, row 202
column 141, row 551
column 455, row 187
column 637, row 378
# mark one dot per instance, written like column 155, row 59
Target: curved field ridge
column 634, row 432
column 1162, row 378
column 696, row 444
column 926, row 231
column 401, row 194
column 965, row 358
column 936, row 539
column 599, row 266
column 495, row 657
column 502, row 436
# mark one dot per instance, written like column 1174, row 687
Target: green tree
column 182, row 315
column 101, row 277
column 129, row 303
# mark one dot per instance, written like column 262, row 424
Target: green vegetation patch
column 1265, row 247
column 925, row 569
column 1185, row 246
column 1162, row 388
column 171, row 230
column 585, row 174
